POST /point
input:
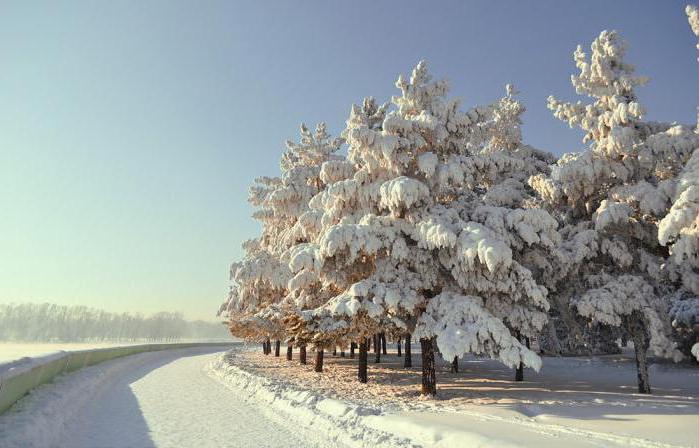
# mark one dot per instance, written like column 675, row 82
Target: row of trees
column 46, row 322
column 442, row 225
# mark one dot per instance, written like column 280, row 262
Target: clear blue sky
column 131, row 130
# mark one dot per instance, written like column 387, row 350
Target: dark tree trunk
column 519, row 372
column 352, row 347
column 335, row 351
column 319, row 361
column 342, row 353
column 377, row 344
column 362, row 370
column 302, row 354
column 269, row 346
column 277, row 347
column 289, row 351
column 408, row 360
column 640, row 344
column 375, row 340
column 383, row 342
column 455, row 365
column 429, row 377
column 264, row 348
column 398, row 347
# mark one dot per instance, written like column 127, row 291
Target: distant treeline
column 47, row 322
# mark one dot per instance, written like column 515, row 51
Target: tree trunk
column 319, row 361
column 362, row 370
column 342, row 353
column 352, row 347
column 289, row 350
column 302, row 354
column 455, row 365
column 429, row 377
column 640, row 344
column 264, row 348
column 377, row 345
column 519, row 372
column 374, row 340
column 335, row 351
column 398, row 347
column 383, row 342
column 408, row 360
column 269, row 346
column 277, row 347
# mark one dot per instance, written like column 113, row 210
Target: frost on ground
column 571, row 401
column 148, row 400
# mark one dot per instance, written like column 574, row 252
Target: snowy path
column 161, row 399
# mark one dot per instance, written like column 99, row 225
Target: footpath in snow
column 157, row 399
column 572, row 402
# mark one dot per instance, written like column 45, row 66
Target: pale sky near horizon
column 130, row 130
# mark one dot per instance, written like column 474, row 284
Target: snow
column 622, row 296
column 576, row 402
column 402, row 192
column 158, row 399
column 201, row 397
column 610, row 213
column 680, row 227
column 11, row 351
column 26, row 363
column 427, row 162
column 462, row 325
column 340, row 422
column 693, row 16
column 478, row 242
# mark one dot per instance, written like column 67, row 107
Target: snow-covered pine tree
column 433, row 214
column 303, row 178
column 487, row 233
column 679, row 231
column 322, row 278
column 257, row 306
column 613, row 196
column 693, row 17
column 258, row 281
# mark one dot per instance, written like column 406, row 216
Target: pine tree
column 436, row 208
column 610, row 267
column 258, row 305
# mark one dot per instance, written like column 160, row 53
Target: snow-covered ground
column 572, row 401
column 157, row 399
column 11, row 351
column 207, row 398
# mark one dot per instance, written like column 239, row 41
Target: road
column 160, row 399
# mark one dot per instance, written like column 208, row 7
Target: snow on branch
column 462, row 325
